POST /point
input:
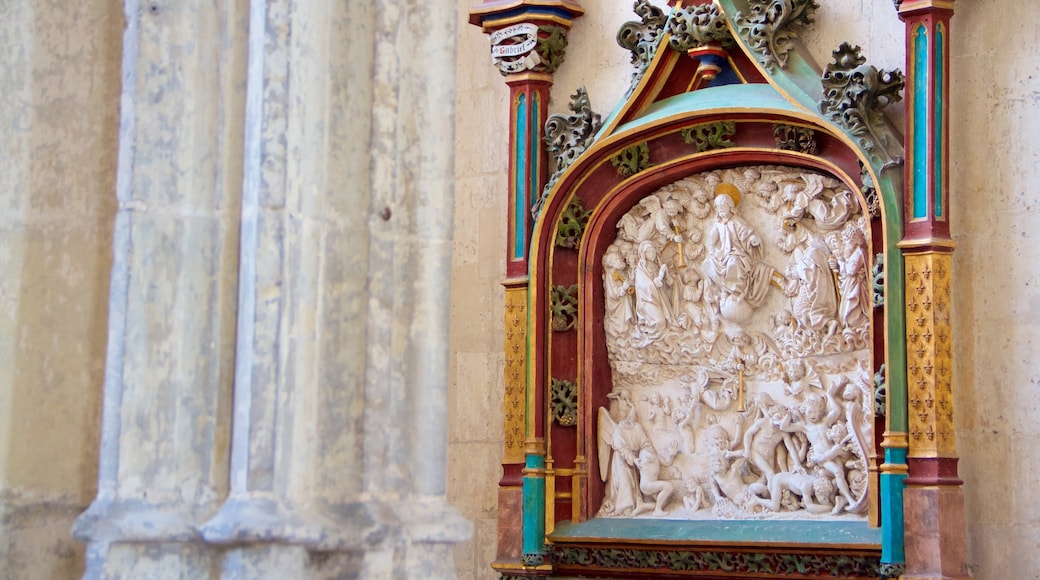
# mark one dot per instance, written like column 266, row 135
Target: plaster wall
column 59, row 100
column 995, row 98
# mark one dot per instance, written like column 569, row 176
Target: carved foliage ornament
column 770, row 27
column 731, row 564
column 564, row 305
column 564, row 402
column 870, row 192
column 692, row 26
column 567, row 137
column 854, row 94
column 710, row 136
column 793, row 138
column 632, row 160
column 572, row 224
column 641, row 38
column 877, row 273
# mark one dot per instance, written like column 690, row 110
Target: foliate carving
column 929, row 355
column 552, row 45
column 737, row 324
column 526, row 46
column 564, row 402
column 710, row 136
column 771, row 26
column 725, row 564
column 632, row 160
column 572, row 224
column 515, row 373
column 854, row 94
column 641, row 38
column 692, row 26
column 880, row 392
column 567, row 137
column 870, row 193
column 885, row 569
column 877, row 274
column 794, row 138
column 564, row 305
column 532, row 559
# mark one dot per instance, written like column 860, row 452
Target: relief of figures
column 738, row 331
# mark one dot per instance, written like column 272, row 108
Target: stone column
column 327, row 292
column 172, row 307
column 936, row 546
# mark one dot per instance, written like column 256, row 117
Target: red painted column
column 933, row 501
column 528, row 39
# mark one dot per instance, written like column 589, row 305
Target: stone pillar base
column 510, row 516
column 936, row 546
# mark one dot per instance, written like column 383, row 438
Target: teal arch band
column 522, row 142
column 920, row 122
column 937, row 146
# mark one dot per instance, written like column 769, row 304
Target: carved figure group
column 737, row 329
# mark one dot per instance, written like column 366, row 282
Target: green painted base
column 831, row 535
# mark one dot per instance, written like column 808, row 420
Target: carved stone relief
column 737, row 320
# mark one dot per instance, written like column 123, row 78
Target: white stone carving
column 738, row 331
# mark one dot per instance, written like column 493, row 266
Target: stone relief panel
column 737, row 320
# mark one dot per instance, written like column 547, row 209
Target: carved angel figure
column 630, row 465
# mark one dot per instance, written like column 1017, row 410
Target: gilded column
column 933, row 500
column 528, row 39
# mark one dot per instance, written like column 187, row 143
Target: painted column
column 528, row 39
column 278, row 361
column 933, row 500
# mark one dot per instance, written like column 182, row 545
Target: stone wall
column 995, row 94
column 995, row 168
column 59, row 102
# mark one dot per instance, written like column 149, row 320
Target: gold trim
column 515, row 282
column 565, row 4
column 529, row 76
column 490, row 26
column 909, row 244
column 895, row 439
column 915, row 5
column 517, row 566
column 895, row 468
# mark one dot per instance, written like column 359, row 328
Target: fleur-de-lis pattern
column 929, row 355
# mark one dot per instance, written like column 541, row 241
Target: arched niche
column 675, row 126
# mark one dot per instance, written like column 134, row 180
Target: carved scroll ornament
column 567, row 137
column 854, row 93
column 770, row 27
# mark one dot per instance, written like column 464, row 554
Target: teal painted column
column 534, row 507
